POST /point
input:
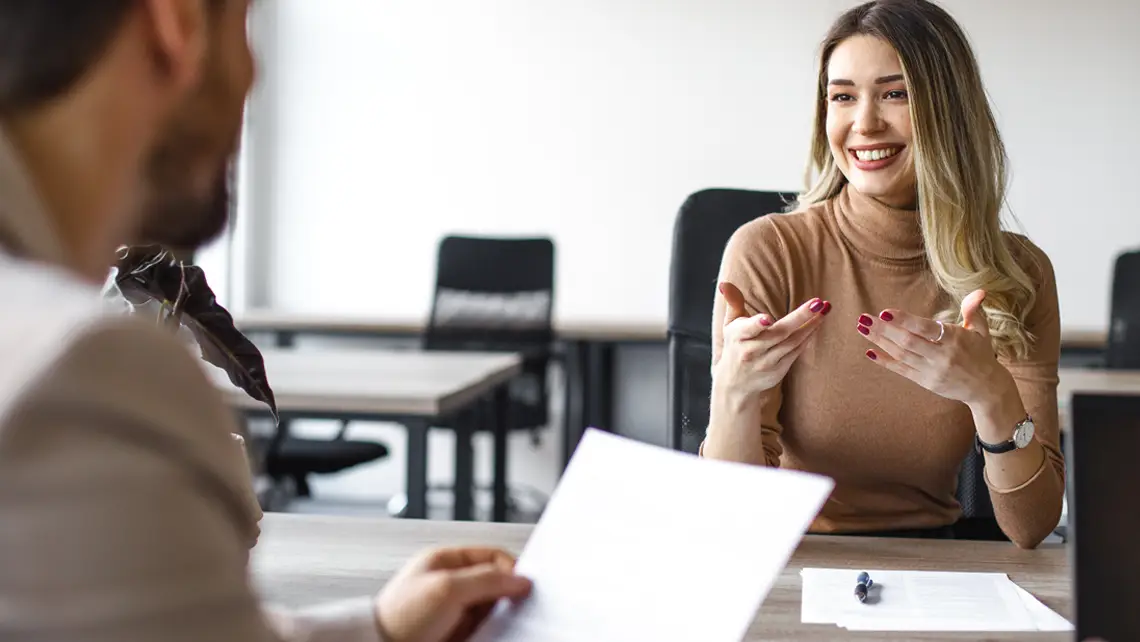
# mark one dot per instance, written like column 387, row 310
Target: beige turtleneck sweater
column 893, row 448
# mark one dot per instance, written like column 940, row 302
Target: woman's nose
column 868, row 120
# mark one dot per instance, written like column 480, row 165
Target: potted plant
column 153, row 280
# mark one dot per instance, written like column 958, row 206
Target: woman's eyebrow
column 881, row 80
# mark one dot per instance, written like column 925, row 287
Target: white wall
column 382, row 125
column 234, row 262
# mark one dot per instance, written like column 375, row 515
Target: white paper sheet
column 643, row 543
column 923, row 601
column 1044, row 617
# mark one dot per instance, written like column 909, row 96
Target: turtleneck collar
column 877, row 229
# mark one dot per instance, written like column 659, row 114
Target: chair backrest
column 1123, row 349
column 704, row 224
column 497, row 295
column 977, row 521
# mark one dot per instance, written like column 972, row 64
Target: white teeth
column 876, row 154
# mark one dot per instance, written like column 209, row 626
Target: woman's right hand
column 759, row 349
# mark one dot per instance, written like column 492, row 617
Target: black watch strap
column 997, row 449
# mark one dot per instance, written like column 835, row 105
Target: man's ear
column 178, row 30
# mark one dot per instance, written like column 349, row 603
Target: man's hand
column 444, row 595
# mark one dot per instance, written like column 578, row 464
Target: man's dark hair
column 47, row 46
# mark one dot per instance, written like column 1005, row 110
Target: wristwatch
column 1022, row 435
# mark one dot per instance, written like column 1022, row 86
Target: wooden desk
column 379, row 382
column 1092, row 380
column 304, row 559
column 414, row 388
column 279, row 322
column 1084, row 339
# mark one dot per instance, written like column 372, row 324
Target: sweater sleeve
column 753, row 261
column 1029, row 512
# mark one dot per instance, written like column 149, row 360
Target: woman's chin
column 891, row 193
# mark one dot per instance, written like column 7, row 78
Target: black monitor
column 1104, row 515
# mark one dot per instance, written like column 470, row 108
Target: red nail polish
column 865, row 320
column 826, row 307
column 886, row 316
column 817, row 306
column 863, row 329
column 871, row 355
column 765, row 322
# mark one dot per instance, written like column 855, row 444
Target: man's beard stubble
column 177, row 212
column 180, row 220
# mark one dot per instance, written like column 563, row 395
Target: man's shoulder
column 67, row 357
column 59, row 331
column 60, row 339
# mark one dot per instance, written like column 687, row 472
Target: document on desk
column 924, row 601
column 643, row 543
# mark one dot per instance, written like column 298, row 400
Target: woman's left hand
column 950, row 360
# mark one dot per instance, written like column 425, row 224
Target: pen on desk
column 862, row 584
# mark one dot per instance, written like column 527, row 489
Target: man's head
column 189, row 61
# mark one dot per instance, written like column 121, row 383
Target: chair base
column 288, row 469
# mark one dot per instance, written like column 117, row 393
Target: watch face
column 1024, row 433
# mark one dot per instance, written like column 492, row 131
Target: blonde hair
column 960, row 161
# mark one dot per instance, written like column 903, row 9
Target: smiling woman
column 881, row 92
column 951, row 332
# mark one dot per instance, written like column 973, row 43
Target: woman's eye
column 897, row 94
column 841, row 98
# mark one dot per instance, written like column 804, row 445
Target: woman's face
column 868, row 120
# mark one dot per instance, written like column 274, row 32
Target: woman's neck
column 887, row 232
column 908, row 203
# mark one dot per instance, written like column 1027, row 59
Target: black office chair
column 977, row 521
column 1123, row 348
column 704, row 224
column 497, row 295
column 702, row 229
column 296, row 458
